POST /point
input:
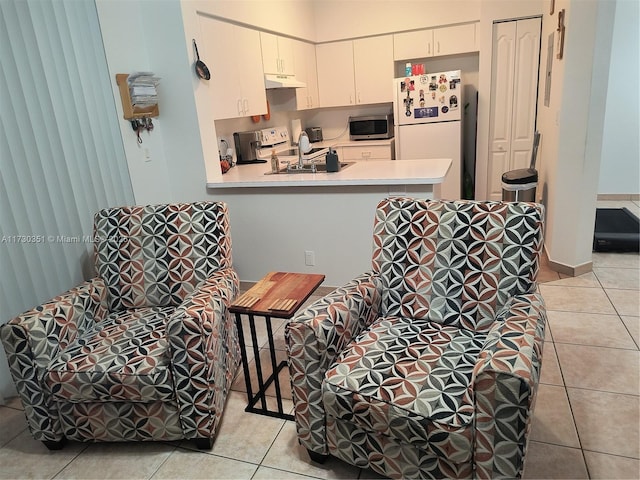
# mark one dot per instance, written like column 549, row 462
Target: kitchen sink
column 320, row 168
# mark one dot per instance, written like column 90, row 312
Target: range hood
column 282, row 81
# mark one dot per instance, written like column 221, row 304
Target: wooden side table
column 278, row 295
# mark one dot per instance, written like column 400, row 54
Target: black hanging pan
column 201, row 69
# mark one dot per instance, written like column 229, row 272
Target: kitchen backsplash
column 282, row 108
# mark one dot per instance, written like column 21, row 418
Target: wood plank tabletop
column 277, row 294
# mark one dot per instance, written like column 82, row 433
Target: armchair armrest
column 31, row 340
column 315, row 337
column 506, row 377
column 205, row 352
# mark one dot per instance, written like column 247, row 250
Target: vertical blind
column 61, row 154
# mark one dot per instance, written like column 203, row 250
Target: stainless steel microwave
column 371, row 127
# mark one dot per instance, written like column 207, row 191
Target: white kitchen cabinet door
column 306, row 71
column 514, row 87
column 250, row 77
column 372, row 152
column 222, row 63
column 228, row 50
column 336, row 84
column 269, row 48
column 453, row 40
column 373, row 66
column 277, row 54
column 410, row 45
column 435, row 42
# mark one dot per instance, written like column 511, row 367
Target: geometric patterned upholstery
column 455, row 263
column 427, row 366
column 104, row 365
column 155, row 255
column 147, row 349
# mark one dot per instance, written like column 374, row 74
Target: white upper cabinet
column 229, row 50
column 373, row 65
column 304, row 56
column 355, row 72
column 336, row 74
column 277, row 54
column 435, row 42
column 452, row 40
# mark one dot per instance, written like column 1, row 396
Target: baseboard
column 569, row 269
column 619, row 197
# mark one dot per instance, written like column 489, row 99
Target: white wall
column 293, row 18
column 175, row 147
column 339, row 19
column 571, row 128
column 620, row 168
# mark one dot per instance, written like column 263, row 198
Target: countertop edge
column 376, row 172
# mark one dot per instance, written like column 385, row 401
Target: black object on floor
column 616, row 230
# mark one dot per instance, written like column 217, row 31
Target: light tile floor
column 586, row 421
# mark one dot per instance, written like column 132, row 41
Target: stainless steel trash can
column 520, row 185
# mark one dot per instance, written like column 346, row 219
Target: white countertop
column 374, row 172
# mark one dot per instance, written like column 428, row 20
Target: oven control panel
column 274, row 136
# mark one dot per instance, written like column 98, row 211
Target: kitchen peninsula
column 315, row 222
column 378, row 172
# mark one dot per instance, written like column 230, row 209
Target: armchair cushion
column 125, row 357
column 410, row 380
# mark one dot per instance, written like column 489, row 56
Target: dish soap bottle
column 275, row 162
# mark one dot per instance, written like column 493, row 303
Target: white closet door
column 503, row 62
column 525, row 92
column 514, row 93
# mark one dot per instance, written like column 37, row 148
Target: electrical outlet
column 147, row 155
column 309, row 258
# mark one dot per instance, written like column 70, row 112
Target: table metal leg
column 243, row 356
column 263, row 384
column 274, row 366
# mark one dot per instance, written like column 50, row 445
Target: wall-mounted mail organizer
column 139, row 96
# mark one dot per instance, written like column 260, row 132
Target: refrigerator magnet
column 445, row 109
column 453, row 102
column 443, row 78
column 443, row 87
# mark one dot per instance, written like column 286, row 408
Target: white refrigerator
column 428, row 124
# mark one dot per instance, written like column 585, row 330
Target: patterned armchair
column 147, row 349
column 428, row 365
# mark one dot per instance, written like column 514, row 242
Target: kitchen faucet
column 303, row 147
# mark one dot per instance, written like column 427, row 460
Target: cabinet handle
column 351, row 98
column 239, row 105
column 429, row 48
column 245, row 106
column 359, row 97
column 282, row 69
column 438, row 46
column 366, row 154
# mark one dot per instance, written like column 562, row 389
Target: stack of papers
column 143, row 89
